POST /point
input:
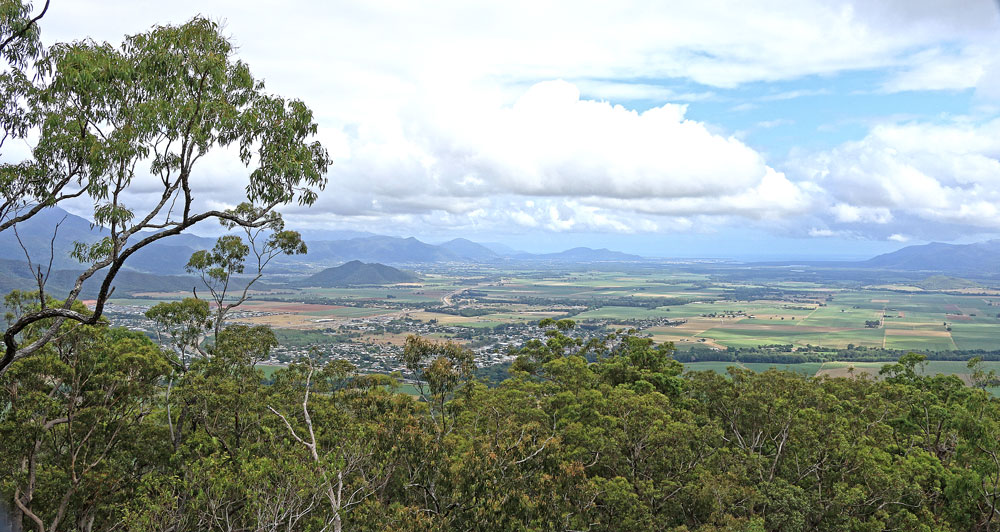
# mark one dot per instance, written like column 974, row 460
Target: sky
column 761, row 130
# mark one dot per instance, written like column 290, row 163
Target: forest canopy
column 104, row 428
column 104, row 432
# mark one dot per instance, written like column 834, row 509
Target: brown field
column 880, row 301
column 287, row 321
column 917, row 332
column 282, row 306
column 687, row 333
column 873, row 371
column 977, row 291
column 958, row 317
column 443, row 319
column 692, row 327
column 660, row 338
column 912, row 325
column 846, row 371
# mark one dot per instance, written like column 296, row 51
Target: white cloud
column 523, row 218
column 458, row 154
column 896, row 237
column 940, row 69
column 821, row 233
column 618, row 91
column 452, row 114
column 948, row 173
column 845, row 213
column 352, row 46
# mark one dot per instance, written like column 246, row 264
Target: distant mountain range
column 15, row 275
column 168, row 256
column 165, row 257
column 357, row 273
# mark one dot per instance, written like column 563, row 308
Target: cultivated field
column 717, row 310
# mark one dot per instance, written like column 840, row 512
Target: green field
column 716, row 310
column 917, row 321
column 269, row 371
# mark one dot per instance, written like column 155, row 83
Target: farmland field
column 495, row 309
column 843, row 369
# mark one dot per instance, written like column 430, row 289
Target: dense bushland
column 104, row 430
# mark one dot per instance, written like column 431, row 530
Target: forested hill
column 53, row 233
column 470, row 250
column 977, row 258
column 582, row 254
column 357, row 273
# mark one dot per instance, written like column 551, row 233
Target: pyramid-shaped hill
column 357, row 273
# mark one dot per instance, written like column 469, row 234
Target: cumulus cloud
column 604, row 163
column 466, row 115
column 936, row 172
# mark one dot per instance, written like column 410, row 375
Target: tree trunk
column 13, row 520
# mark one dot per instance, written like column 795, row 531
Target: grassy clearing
column 268, row 370
column 808, row 368
column 841, row 369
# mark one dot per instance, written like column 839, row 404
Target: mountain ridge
column 170, row 255
column 357, row 273
column 978, row 258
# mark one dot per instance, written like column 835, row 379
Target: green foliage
column 185, row 321
column 604, row 436
column 75, row 418
column 156, row 104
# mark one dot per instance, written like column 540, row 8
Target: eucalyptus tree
column 441, row 369
column 24, row 189
column 146, row 113
column 231, row 253
column 74, row 422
